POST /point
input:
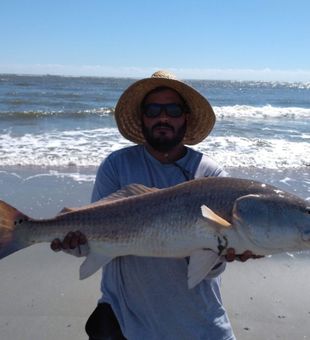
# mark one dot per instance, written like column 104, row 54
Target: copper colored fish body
column 199, row 218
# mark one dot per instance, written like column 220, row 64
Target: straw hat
column 128, row 117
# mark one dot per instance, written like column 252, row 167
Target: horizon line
column 228, row 74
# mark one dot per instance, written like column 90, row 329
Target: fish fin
column 201, row 262
column 9, row 220
column 212, row 217
column 137, row 189
column 128, row 191
column 66, row 210
column 93, row 262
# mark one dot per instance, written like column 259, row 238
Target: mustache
column 162, row 125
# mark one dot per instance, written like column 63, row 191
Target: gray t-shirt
column 150, row 296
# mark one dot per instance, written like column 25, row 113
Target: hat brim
column 127, row 111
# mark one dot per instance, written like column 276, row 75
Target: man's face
column 164, row 132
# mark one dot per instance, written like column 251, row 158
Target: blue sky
column 202, row 39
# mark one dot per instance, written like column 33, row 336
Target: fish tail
column 10, row 218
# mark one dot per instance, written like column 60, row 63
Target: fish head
column 274, row 223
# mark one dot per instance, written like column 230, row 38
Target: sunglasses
column 154, row 110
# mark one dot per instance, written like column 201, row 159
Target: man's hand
column 74, row 243
column 232, row 256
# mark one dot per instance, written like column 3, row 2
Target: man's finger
column 56, row 245
column 66, row 243
column 82, row 239
column 230, row 255
column 245, row 256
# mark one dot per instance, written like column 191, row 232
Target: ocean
column 54, row 132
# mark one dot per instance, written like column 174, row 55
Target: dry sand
column 42, row 298
column 269, row 298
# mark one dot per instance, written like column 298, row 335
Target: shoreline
column 43, row 192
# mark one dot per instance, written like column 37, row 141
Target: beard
column 163, row 143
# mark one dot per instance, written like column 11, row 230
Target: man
column 149, row 296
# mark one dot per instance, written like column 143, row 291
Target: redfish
column 199, row 219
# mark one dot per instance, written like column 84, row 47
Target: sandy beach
column 42, row 298
column 268, row 298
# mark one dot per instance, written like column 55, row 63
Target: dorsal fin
column 127, row 191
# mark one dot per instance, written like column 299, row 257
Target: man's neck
column 170, row 156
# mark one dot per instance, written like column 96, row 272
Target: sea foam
column 89, row 147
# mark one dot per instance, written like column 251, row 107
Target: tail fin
column 10, row 218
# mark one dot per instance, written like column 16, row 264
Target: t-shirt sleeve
column 106, row 180
column 209, row 168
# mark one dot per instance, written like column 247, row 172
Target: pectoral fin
column 93, row 262
column 201, row 262
column 213, row 218
column 65, row 210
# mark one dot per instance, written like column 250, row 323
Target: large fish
column 200, row 219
